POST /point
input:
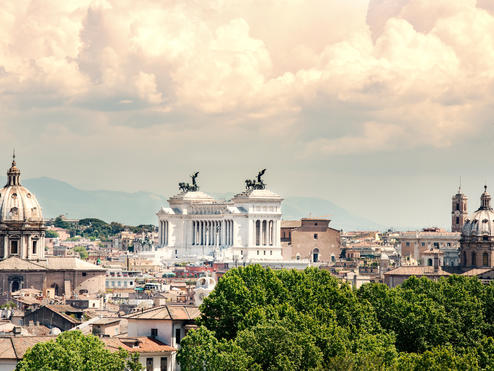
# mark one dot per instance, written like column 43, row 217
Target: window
column 149, row 364
column 264, row 252
column 34, row 247
column 315, row 223
column 449, row 243
column 298, row 256
column 14, row 247
column 429, row 262
column 257, row 252
column 436, row 244
column 485, row 238
column 485, row 259
column 315, row 255
column 458, row 206
column 177, row 335
column 474, row 259
column 408, row 243
column 84, row 274
column 154, row 332
column 164, row 364
column 423, row 243
column 457, row 220
column 271, row 252
column 315, row 236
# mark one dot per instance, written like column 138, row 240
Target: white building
column 116, row 278
column 195, row 226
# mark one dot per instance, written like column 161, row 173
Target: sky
column 379, row 106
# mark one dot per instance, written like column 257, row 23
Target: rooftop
column 417, row 271
column 168, row 312
column 137, row 344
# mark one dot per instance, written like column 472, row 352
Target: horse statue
column 251, row 184
column 184, row 187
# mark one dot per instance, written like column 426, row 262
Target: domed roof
column 481, row 223
column 17, row 203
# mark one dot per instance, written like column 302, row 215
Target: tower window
column 35, row 243
column 457, row 220
column 458, row 207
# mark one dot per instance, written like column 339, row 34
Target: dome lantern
column 485, row 200
column 13, row 174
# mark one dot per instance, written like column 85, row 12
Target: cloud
column 401, row 74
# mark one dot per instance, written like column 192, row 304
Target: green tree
column 82, row 251
column 274, row 347
column 51, row 234
column 76, row 352
column 201, row 351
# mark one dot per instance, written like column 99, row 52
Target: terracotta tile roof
column 106, row 321
column 70, row 263
column 61, row 310
column 14, row 347
column 168, row 312
column 138, row 344
column 6, row 349
column 416, row 271
column 476, row 271
column 16, row 264
column 291, row 223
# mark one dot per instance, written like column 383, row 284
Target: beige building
column 477, row 238
column 310, row 239
column 23, row 263
column 417, row 247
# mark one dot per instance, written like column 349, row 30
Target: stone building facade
column 23, row 263
column 417, row 246
column 477, row 238
column 459, row 211
column 310, row 239
column 195, row 226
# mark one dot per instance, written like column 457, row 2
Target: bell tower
column 459, row 211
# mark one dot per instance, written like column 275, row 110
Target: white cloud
column 417, row 76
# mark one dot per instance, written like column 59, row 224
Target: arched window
column 298, row 256
column 429, row 262
column 315, row 255
column 474, row 259
column 485, row 259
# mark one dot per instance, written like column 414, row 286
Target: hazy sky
column 377, row 107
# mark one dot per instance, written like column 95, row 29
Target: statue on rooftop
column 251, row 184
column 186, row 187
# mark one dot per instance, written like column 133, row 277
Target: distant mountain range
column 57, row 197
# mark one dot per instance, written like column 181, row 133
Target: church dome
column 481, row 223
column 17, row 203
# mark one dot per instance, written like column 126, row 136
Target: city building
column 310, row 238
column 246, row 229
column 459, row 212
column 167, row 324
column 477, row 238
column 417, row 246
column 120, row 279
column 23, row 263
